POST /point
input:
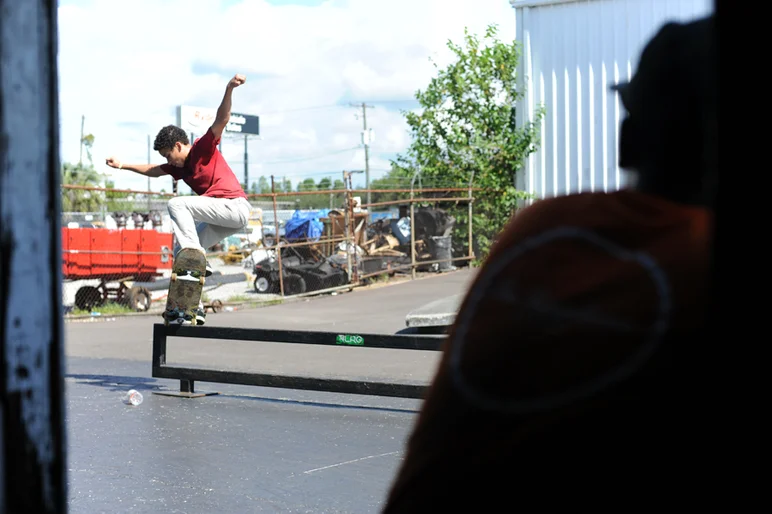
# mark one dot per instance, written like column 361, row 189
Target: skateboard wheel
column 201, row 280
column 174, row 277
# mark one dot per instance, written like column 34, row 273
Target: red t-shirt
column 206, row 171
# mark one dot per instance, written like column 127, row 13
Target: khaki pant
column 201, row 221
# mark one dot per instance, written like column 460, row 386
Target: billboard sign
column 244, row 124
column 199, row 119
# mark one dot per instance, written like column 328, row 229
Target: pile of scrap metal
column 387, row 247
column 381, row 247
column 303, row 268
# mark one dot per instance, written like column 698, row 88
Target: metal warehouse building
column 573, row 50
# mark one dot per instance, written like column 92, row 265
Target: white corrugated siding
column 572, row 51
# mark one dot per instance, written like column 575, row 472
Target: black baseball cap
column 676, row 72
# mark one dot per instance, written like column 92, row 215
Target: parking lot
column 246, row 449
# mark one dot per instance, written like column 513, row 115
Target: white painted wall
column 573, row 50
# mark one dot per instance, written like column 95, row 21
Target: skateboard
column 185, row 287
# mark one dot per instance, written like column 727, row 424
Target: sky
column 126, row 66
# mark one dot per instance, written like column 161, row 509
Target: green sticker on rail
column 350, row 340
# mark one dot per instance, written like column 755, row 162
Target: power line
column 314, row 174
column 299, row 109
column 308, row 158
column 331, row 174
column 411, row 100
column 333, row 106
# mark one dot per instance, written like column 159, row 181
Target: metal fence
column 117, row 250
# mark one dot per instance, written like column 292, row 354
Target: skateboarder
column 220, row 207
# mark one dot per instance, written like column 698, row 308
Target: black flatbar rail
column 188, row 376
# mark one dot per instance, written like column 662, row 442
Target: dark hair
column 168, row 136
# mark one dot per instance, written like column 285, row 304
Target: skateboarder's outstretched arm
column 224, row 111
column 149, row 170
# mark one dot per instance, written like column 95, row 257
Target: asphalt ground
column 247, row 449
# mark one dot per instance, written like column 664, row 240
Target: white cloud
column 126, row 66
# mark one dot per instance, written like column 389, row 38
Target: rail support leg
column 186, row 386
column 187, row 390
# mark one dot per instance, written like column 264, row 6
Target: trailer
column 115, row 255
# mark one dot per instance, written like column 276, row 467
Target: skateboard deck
column 185, row 286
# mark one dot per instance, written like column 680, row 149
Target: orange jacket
column 555, row 377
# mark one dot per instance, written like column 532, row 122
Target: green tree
column 338, row 199
column 263, row 185
column 324, row 184
column 304, row 201
column 320, row 201
column 307, row 185
column 80, row 200
column 466, row 132
column 117, row 202
column 88, row 143
column 83, row 175
column 396, row 178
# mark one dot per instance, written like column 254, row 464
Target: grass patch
column 251, row 302
column 108, row 308
column 239, row 298
column 270, row 302
column 383, row 277
column 377, row 279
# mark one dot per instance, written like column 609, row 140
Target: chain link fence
column 117, row 245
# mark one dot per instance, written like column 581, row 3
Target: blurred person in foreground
column 560, row 380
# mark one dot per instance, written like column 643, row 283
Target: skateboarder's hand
column 113, row 162
column 236, row 81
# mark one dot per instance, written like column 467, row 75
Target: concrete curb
column 157, row 312
column 439, row 313
column 429, row 319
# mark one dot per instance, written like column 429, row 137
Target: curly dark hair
column 168, row 136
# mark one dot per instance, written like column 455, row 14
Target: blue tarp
column 384, row 215
column 305, row 225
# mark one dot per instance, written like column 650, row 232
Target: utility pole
column 366, row 143
column 331, row 195
column 246, row 165
column 82, row 125
column 148, row 178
